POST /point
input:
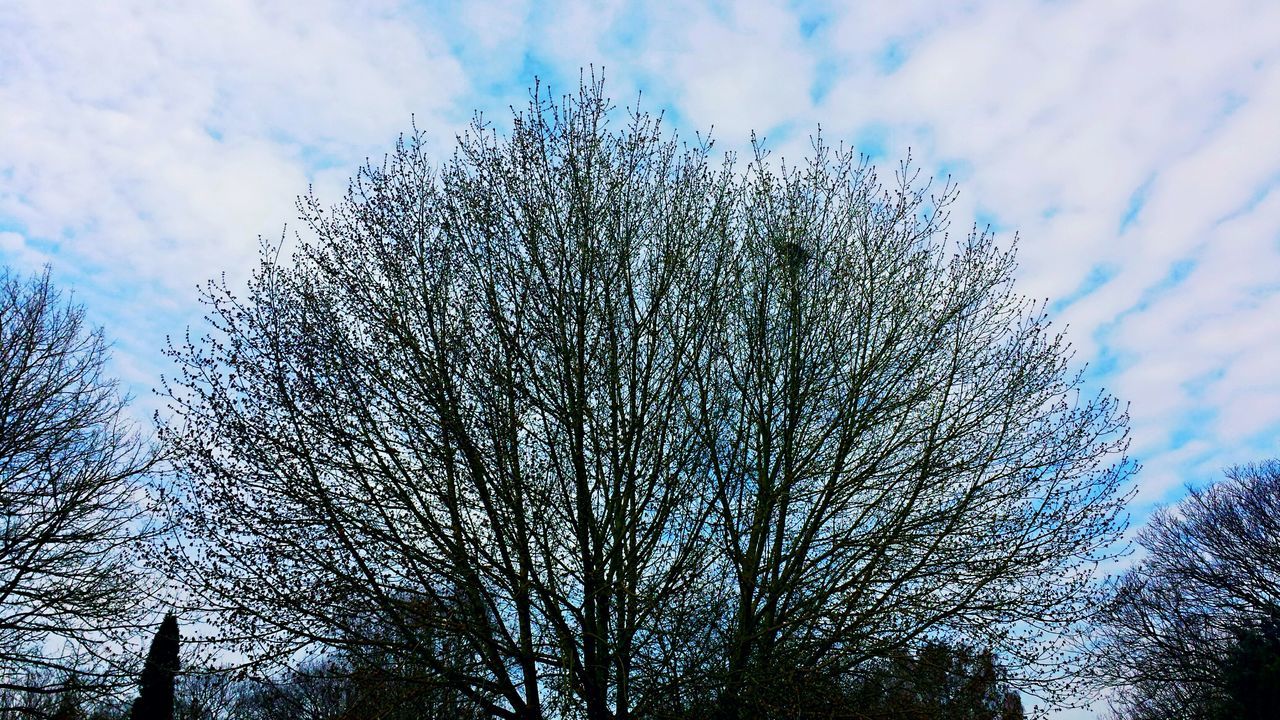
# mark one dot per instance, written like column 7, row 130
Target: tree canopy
column 585, row 421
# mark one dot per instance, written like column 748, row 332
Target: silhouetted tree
column 583, row 423
column 1251, row 671
column 936, row 681
column 159, row 673
column 70, row 701
column 71, row 465
column 209, row 694
column 1191, row 626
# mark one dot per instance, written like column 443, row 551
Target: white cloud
column 147, row 146
column 748, row 59
column 1067, row 112
column 158, row 142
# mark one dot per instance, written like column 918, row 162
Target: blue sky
column 1133, row 147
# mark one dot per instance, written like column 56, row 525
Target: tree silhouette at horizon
column 155, row 691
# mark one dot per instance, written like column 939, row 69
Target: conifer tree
column 155, row 692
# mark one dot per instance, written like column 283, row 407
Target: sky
column 1133, row 147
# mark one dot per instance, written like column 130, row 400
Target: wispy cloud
column 145, row 147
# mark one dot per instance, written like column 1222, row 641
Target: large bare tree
column 583, row 422
column 71, row 468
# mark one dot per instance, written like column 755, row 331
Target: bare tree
column 212, row 695
column 586, row 424
column 899, row 446
column 463, row 413
column 71, row 465
column 1210, row 578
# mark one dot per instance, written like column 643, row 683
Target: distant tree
column 333, row 689
column 71, row 465
column 936, row 681
column 956, row 683
column 73, row 700
column 212, row 694
column 159, row 674
column 319, row 691
column 585, row 423
column 1251, row 671
column 18, row 700
column 70, row 701
column 1192, row 629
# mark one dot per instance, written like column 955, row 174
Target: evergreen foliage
column 1251, row 672
column 156, row 687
